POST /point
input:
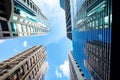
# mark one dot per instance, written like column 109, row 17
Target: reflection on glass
column 15, row 18
column 24, row 30
column 13, row 28
column 21, row 20
column 28, row 30
column 106, row 21
column 19, row 28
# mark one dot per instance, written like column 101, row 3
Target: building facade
column 28, row 65
column 65, row 4
column 98, row 61
column 93, row 27
column 75, row 71
column 92, row 24
column 21, row 18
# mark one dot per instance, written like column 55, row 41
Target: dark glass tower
column 66, row 6
column 92, row 37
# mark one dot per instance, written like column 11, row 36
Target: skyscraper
column 65, row 4
column 21, row 18
column 98, row 61
column 92, row 25
column 75, row 71
column 28, row 65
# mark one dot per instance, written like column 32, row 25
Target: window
column 24, row 30
column 33, row 59
column 82, row 74
column 24, row 0
column 21, row 20
column 37, row 67
column 32, row 75
column 90, row 24
column 26, row 21
column 19, row 28
column 15, row 18
column 94, row 59
column 4, row 27
column 36, row 57
column 30, row 23
column 31, row 29
column 93, row 24
column 106, row 21
column 96, row 24
column 30, row 62
column 7, row 78
column 28, row 2
column 15, row 75
column 29, row 78
column 100, row 22
column 33, row 7
column 100, row 52
column 28, row 30
column 35, row 71
column 16, row 10
column 99, row 63
column 26, row 66
column 103, row 65
column 21, row 70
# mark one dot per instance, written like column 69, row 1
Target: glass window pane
column 21, row 20
column 19, row 29
column 106, row 21
column 15, row 18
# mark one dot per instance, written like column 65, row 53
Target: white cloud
column 25, row 43
column 2, row 41
column 63, row 70
column 58, row 74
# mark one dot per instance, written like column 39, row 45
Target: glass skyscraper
column 21, row 18
column 91, row 37
column 65, row 4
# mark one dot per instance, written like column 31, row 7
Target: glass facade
column 92, row 22
column 68, row 19
column 25, row 19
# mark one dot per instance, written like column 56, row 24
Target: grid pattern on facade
column 75, row 71
column 93, row 15
column 68, row 19
column 23, row 18
column 25, row 65
column 92, row 35
column 98, row 59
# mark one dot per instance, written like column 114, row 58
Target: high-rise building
column 98, row 61
column 65, row 4
column 21, row 18
column 92, row 24
column 28, row 65
column 75, row 71
column 62, row 4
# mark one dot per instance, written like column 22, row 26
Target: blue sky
column 56, row 42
